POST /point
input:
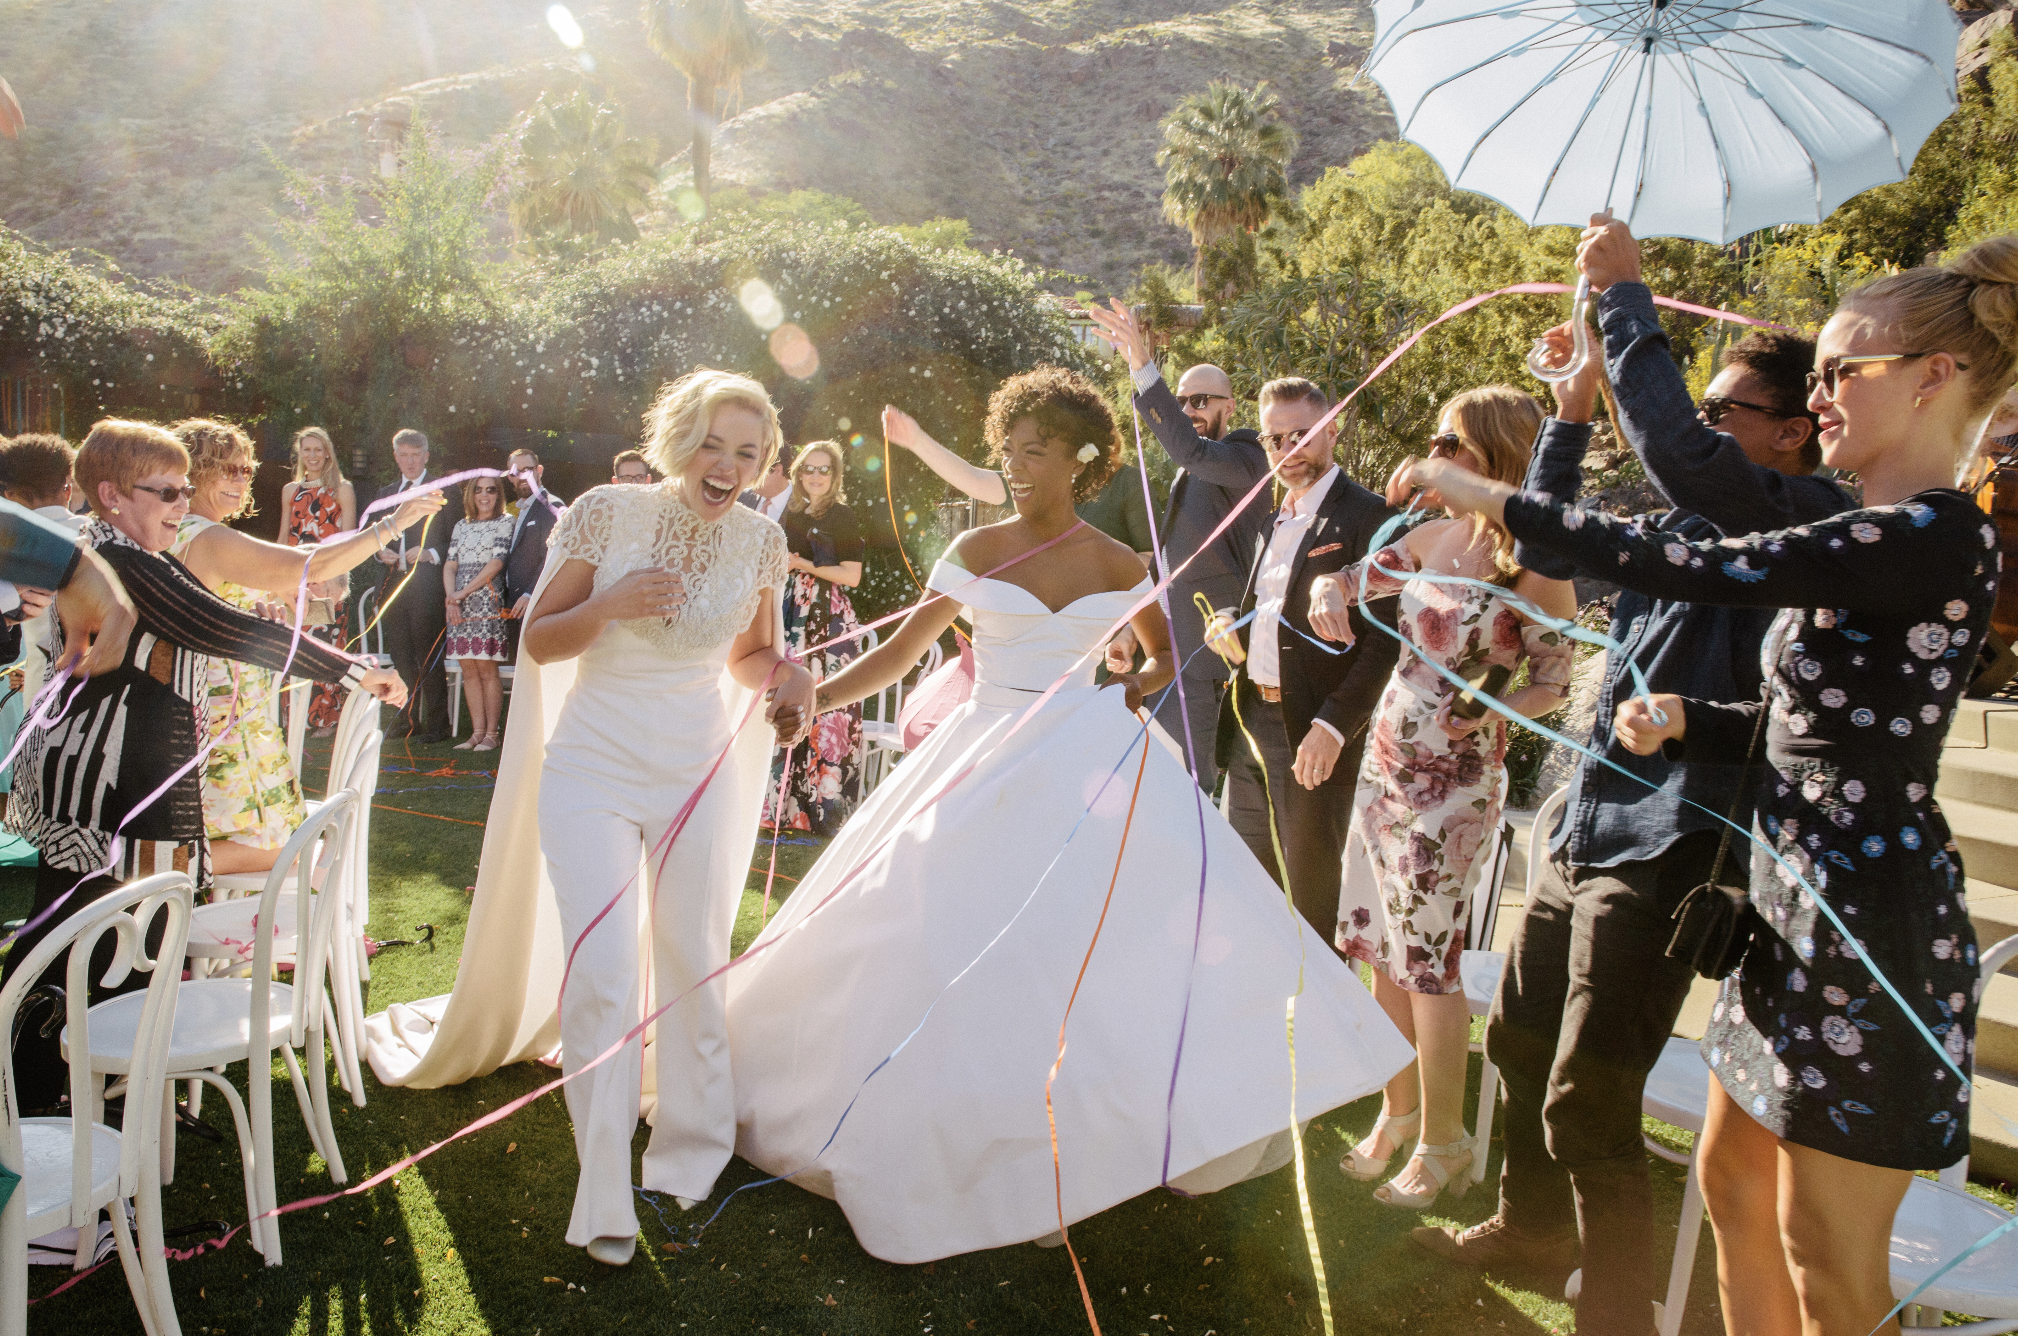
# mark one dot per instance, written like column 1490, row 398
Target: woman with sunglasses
column 1433, row 780
column 251, row 796
column 476, row 626
column 825, row 543
column 1825, row 1096
column 109, row 791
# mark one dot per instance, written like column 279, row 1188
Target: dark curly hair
column 1067, row 408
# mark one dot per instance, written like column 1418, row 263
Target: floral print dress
column 475, row 544
column 1859, row 696
column 825, row 768
column 315, row 513
column 250, row 792
column 1427, row 802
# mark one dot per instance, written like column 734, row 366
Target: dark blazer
column 528, row 555
column 1340, row 689
column 438, row 530
column 1216, row 474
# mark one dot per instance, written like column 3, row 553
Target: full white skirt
column 946, row 934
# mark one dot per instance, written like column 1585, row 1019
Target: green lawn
column 470, row 1239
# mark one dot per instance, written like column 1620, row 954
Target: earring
column 115, row 510
column 1917, row 401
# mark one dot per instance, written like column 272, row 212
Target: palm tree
column 580, row 175
column 712, row 42
column 1225, row 161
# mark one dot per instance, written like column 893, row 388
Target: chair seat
column 1480, row 971
column 1678, row 1088
column 1935, row 1223
column 225, row 929
column 213, row 1025
column 875, row 733
column 45, row 1171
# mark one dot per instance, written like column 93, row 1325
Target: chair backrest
column 299, row 695
column 330, row 823
column 370, row 637
column 360, row 713
column 363, row 781
column 1538, row 834
column 128, row 913
column 1486, row 890
column 1988, row 963
column 929, row 665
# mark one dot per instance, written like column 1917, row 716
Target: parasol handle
column 1580, row 356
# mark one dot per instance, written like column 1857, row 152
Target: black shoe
column 430, row 739
column 399, row 731
column 1495, row 1243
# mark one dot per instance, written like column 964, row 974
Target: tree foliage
column 580, row 180
column 714, row 43
column 1225, row 161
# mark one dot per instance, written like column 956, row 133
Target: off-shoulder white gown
column 950, row 933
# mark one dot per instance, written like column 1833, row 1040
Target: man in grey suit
column 1219, row 466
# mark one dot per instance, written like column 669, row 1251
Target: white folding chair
column 883, row 736
column 370, row 638
column 360, row 713
column 221, row 1021
column 1938, row 1219
column 72, row 1168
column 1480, row 969
column 454, row 668
column 350, row 959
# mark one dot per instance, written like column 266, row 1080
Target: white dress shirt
column 538, row 498
column 426, row 554
column 1271, row 585
column 773, row 509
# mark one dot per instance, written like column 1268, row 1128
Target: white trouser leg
column 590, row 855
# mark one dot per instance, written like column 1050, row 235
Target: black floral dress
column 1861, row 695
column 826, row 768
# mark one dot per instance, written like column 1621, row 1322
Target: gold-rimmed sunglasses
column 1832, row 369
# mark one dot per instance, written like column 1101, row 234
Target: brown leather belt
column 1273, row 695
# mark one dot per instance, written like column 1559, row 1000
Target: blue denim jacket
column 1695, row 650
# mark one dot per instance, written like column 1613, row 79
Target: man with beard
column 539, row 511
column 1590, row 995
column 1299, row 703
column 1219, row 464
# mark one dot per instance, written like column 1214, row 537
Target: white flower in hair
column 1088, row 453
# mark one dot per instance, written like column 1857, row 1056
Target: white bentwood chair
column 72, row 1168
column 882, row 736
column 221, row 1021
column 1481, row 968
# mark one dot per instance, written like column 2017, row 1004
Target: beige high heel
column 1399, row 1130
column 1432, row 1157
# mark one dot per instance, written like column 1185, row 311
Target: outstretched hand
column 1577, row 397
column 1122, row 331
column 900, row 428
column 1607, row 253
column 1331, row 609
column 1459, row 490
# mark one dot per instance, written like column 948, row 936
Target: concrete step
column 1997, row 1025
column 1988, row 839
column 1979, row 775
column 1990, row 724
column 1994, row 911
column 1993, row 1127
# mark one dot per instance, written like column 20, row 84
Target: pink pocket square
column 1320, row 551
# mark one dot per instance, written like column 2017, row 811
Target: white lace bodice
column 726, row 564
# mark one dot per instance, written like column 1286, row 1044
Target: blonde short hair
column 332, row 472
column 212, row 445
column 123, row 452
column 836, row 494
column 679, row 418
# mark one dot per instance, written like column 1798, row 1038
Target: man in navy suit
column 1304, row 705
column 1220, row 464
column 539, row 511
column 416, row 621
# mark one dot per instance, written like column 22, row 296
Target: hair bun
column 1991, row 265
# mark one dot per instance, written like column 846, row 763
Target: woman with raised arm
column 82, row 785
column 945, row 928
column 1434, row 780
column 251, row 795
column 320, row 503
column 668, row 596
column 1825, row 1096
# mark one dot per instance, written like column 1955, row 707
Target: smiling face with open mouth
column 728, row 461
column 147, row 518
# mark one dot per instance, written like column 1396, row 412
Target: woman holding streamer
column 1039, row 871
column 109, row 792
column 1434, row 779
column 251, row 795
column 1828, row 1092
column 826, row 562
column 320, row 503
column 668, row 595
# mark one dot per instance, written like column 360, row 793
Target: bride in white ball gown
column 948, row 922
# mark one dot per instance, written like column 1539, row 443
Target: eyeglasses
column 1716, row 407
column 1197, row 402
column 824, row 470
column 168, row 494
column 1833, row 367
column 1279, row 442
column 1447, row 446
column 238, row 472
